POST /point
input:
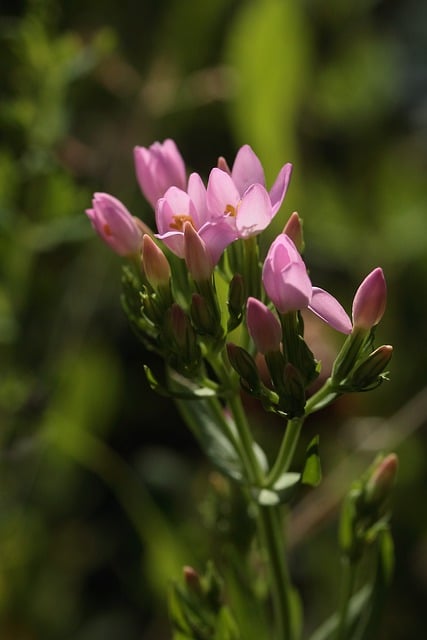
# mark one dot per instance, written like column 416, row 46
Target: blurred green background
column 103, row 493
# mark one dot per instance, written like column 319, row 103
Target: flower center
column 230, row 210
column 179, row 220
column 107, row 229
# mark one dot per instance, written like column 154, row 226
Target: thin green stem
column 348, row 583
column 270, row 531
column 286, row 451
column 271, row 535
column 321, row 398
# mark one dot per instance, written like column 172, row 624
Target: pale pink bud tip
column 156, row 266
column 293, row 229
column 370, row 300
column 382, row 479
column 263, row 326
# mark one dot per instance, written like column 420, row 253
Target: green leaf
column 328, row 629
column 206, row 420
column 226, row 627
column 312, row 473
column 281, row 492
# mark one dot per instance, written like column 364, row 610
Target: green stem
column 271, row 535
column 321, row 398
column 286, row 451
column 348, row 583
column 270, row 530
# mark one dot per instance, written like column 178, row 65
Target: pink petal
column 174, row 240
column 174, row 203
column 280, row 186
column 254, row 212
column 221, row 193
column 324, row 305
column 197, row 192
column 247, row 169
column 217, row 236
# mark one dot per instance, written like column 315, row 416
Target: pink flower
column 369, row 302
column 114, row 224
column 179, row 207
column 240, row 194
column 159, row 167
column 263, row 326
column 289, row 287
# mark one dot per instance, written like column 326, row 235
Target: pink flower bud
column 159, row 167
column 196, row 254
column 293, row 229
column 263, row 326
column 156, row 266
column 370, row 301
column 114, row 224
column 285, row 276
column 381, row 481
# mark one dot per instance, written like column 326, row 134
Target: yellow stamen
column 179, row 220
column 230, row 210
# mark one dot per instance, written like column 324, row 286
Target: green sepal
column 312, row 472
column 236, row 302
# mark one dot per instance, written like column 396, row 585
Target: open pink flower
column 114, row 224
column 289, row 287
column 159, row 167
column 240, row 193
column 179, row 207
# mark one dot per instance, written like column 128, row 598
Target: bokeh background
column 103, row 493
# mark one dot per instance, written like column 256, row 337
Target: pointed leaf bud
column 263, row 326
column 293, row 229
column 370, row 301
column 155, row 263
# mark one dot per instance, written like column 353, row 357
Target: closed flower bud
column 263, row 326
column 245, row 366
column 196, row 254
column 293, row 229
column 159, row 167
column 114, row 224
column 155, row 263
column 369, row 372
column 381, row 481
column 370, row 301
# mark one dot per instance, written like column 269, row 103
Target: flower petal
column 254, row 212
column 280, row 186
column 217, row 236
column 221, row 193
column 324, row 305
column 247, row 169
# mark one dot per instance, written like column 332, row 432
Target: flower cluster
column 224, row 317
column 207, row 233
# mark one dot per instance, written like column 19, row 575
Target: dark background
column 103, row 493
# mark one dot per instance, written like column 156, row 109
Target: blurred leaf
column 268, row 49
column 312, row 473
